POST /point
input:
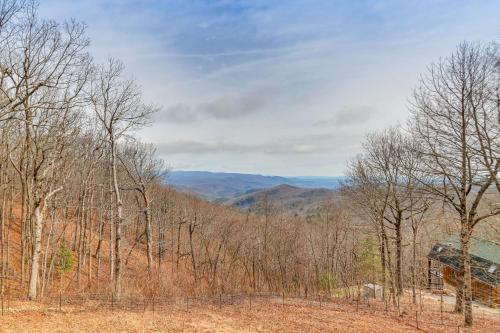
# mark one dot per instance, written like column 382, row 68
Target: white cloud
column 228, row 106
column 275, row 87
column 356, row 115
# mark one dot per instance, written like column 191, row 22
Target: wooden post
column 491, row 296
column 441, row 306
column 187, row 303
column 283, row 299
column 220, row 301
column 421, row 299
column 399, row 309
column 416, row 319
column 429, row 276
column 357, row 303
column 60, row 301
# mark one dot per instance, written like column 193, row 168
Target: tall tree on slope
column 118, row 108
column 456, row 126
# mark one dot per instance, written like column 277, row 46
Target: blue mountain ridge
column 221, row 185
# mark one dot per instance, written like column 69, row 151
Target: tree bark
column 399, row 269
column 413, row 267
column 149, row 232
column 38, row 219
column 466, row 288
column 118, row 225
column 191, row 245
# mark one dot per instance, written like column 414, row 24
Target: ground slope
column 268, row 315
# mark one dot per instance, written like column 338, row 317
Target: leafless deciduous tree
column 44, row 69
column 119, row 109
column 455, row 122
column 144, row 169
column 381, row 185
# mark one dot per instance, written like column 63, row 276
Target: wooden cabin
column 444, row 259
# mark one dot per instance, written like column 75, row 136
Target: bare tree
column 364, row 192
column 119, row 110
column 144, row 169
column 45, row 67
column 8, row 9
column 455, row 123
column 381, row 185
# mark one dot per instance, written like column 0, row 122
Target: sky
column 276, row 87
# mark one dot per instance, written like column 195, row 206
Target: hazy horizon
column 280, row 88
column 259, row 174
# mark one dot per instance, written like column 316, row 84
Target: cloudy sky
column 273, row 86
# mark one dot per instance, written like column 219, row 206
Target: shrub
column 64, row 260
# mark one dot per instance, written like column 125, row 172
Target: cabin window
column 492, row 269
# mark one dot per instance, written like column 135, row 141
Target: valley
column 298, row 195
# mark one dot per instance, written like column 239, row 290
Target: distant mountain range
column 296, row 199
column 219, row 186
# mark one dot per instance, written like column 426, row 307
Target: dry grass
column 263, row 319
column 264, row 316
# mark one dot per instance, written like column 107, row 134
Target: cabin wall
column 449, row 276
column 495, row 297
column 481, row 292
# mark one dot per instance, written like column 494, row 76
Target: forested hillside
column 293, row 199
column 85, row 208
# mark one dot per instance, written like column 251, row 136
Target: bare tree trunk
column 49, row 251
column 178, row 254
column 111, row 232
column 9, row 227
column 81, row 231
column 90, row 226
column 118, row 224
column 24, row 231
column 392, row 283
column 100, row 239
column 467, row 292
column 383, row 264
column 2, row 235
column 399, row 268
column 149, row 233
column 191, row 245
column 413, row 267
column 38, row 219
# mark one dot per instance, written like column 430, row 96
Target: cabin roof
column 484, row 256
column 478, row 247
